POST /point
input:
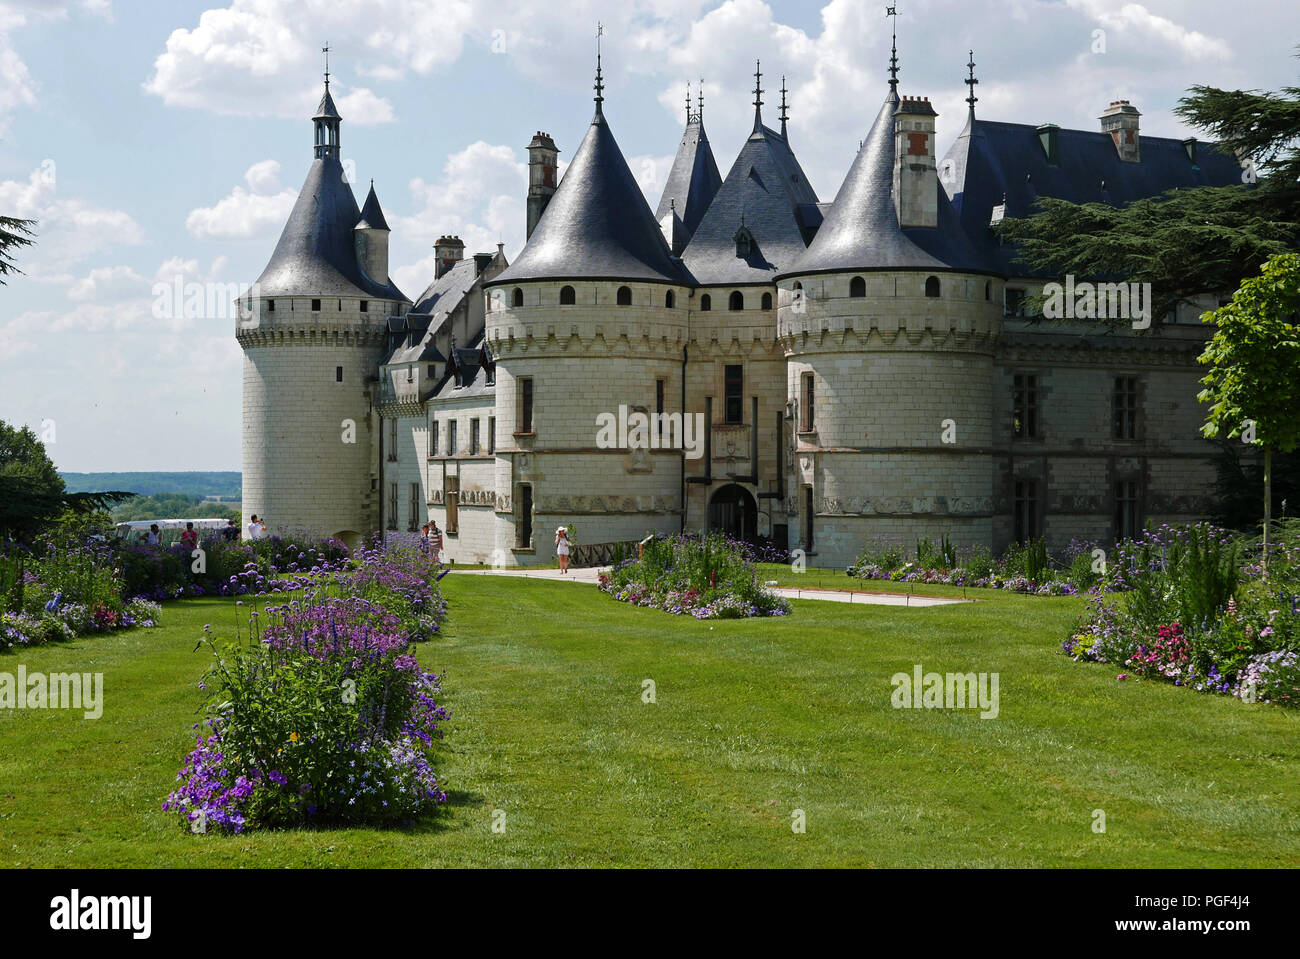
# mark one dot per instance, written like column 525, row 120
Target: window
column 624, row 296
column 1124, row 408
column 767, row 301
column 433, row 437
column 669, row 299
column 474, row 436
column 270, row 306
column 392, row 506
column 414, row 517
column 490, row 372
column 492, row 434
column 809, row 421
column 517, row 297
column 452, row 448
column 410, row 374
column 1128, row 509
column 659, row 411
column 733, row 391
column 430, row 371
column 857, row 287
column 315, row 306
column 931, row 286
column 392, row 440
column 988, row 289
column 1014, row 302
column 1025, row 406
column 453, row 505
column 737, row 300
column 338, row 374
column 567, row 296
column 524, row 517
column 1026, row 510
column 706, row 303
column 365, row 306
column 526, row 405
column 808, row 519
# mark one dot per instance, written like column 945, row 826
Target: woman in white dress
column 562, row 549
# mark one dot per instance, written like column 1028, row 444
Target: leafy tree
column 1253, row 386
column 1239, row 486
column 32, row 494
column 13, row 234
column 1193, row 241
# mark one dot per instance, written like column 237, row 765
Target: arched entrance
column 733, row 511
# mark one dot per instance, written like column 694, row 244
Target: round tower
column 312, row 330
column 889, row 323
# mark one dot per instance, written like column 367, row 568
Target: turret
column 371, row 239
column 542, row 176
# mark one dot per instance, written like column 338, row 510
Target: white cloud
column 108, row 284
column 17, row 86
column 1124, row 17
column 68, row 229
column 245, row 213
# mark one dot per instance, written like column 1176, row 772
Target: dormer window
column 744, row 242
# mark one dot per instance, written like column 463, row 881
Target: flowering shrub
column 1022, row 569
column 708, row 577
column 324, row 716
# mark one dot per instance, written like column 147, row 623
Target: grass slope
column 754, row 719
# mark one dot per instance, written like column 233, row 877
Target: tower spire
column 688, row 101
column 892, row 13
column 327, row 119
column 600, row 84
column 700, row 100
column 970, row 82
column 784, row 115
column 758, row 96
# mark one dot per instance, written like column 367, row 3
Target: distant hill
column 228, row 486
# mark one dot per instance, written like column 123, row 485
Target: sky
column 160, row 145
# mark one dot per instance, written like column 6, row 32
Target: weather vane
column 893, row 52
column 326, row 50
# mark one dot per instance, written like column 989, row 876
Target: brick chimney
column 542, row 180
column 916, row 178
column 449, row 250
column 1121, row 121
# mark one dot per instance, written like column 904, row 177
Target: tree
column 13, row 234
column 31, row 491
column 1186, row 242
column 1253, row 386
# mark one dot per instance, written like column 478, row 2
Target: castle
column 863, row 367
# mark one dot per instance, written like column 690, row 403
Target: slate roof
column 472, row 362
column 327, row 110
column 372, row 216
column 767, row 190
column 597, row 225
column 993, row 159
column 444, row 294
column 692, row 181
column 861, row 231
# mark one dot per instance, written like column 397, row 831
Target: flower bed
column 1191, row 606
column 708, row 577
column 1022, row 569
column 323, row 715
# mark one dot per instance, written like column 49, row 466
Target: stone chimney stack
column 449, row 250
column 542, row 179
column 916, row 177
column 1121, row 121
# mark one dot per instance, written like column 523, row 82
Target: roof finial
column 758, row 96
column 970, row 82
column 892, row 11
column 700, row 100
column 784, row 115
column 688, row 101
column 326, row 50
column 600, row 85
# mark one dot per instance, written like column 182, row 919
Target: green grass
column 754, row 719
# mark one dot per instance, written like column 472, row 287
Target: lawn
column 754, row 719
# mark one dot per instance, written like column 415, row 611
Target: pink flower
column 1122, row 676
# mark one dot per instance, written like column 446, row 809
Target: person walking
column 562, row 549
column 435, row 541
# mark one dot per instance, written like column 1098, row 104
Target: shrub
column 1272, row 677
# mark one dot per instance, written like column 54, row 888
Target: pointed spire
column 758, row 96
column 892, row 12
column 688, row 101
column 600, row 84
column 327, row 119
column 970, row 82
column 784, row 114
column 372, row 215
column 700, row 98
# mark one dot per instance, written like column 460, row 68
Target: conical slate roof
column 861, row 230
column 693, row 179
column 763, row 192
column 598, row 224
column 372, row 216
column 327, row 110
column 316, row 255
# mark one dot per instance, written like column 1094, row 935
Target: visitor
column 255, row 528
column 155, row 537
column 231, row 532
column 435, row 541
column 190, row 538
column 424, row 538
column 562, row 549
